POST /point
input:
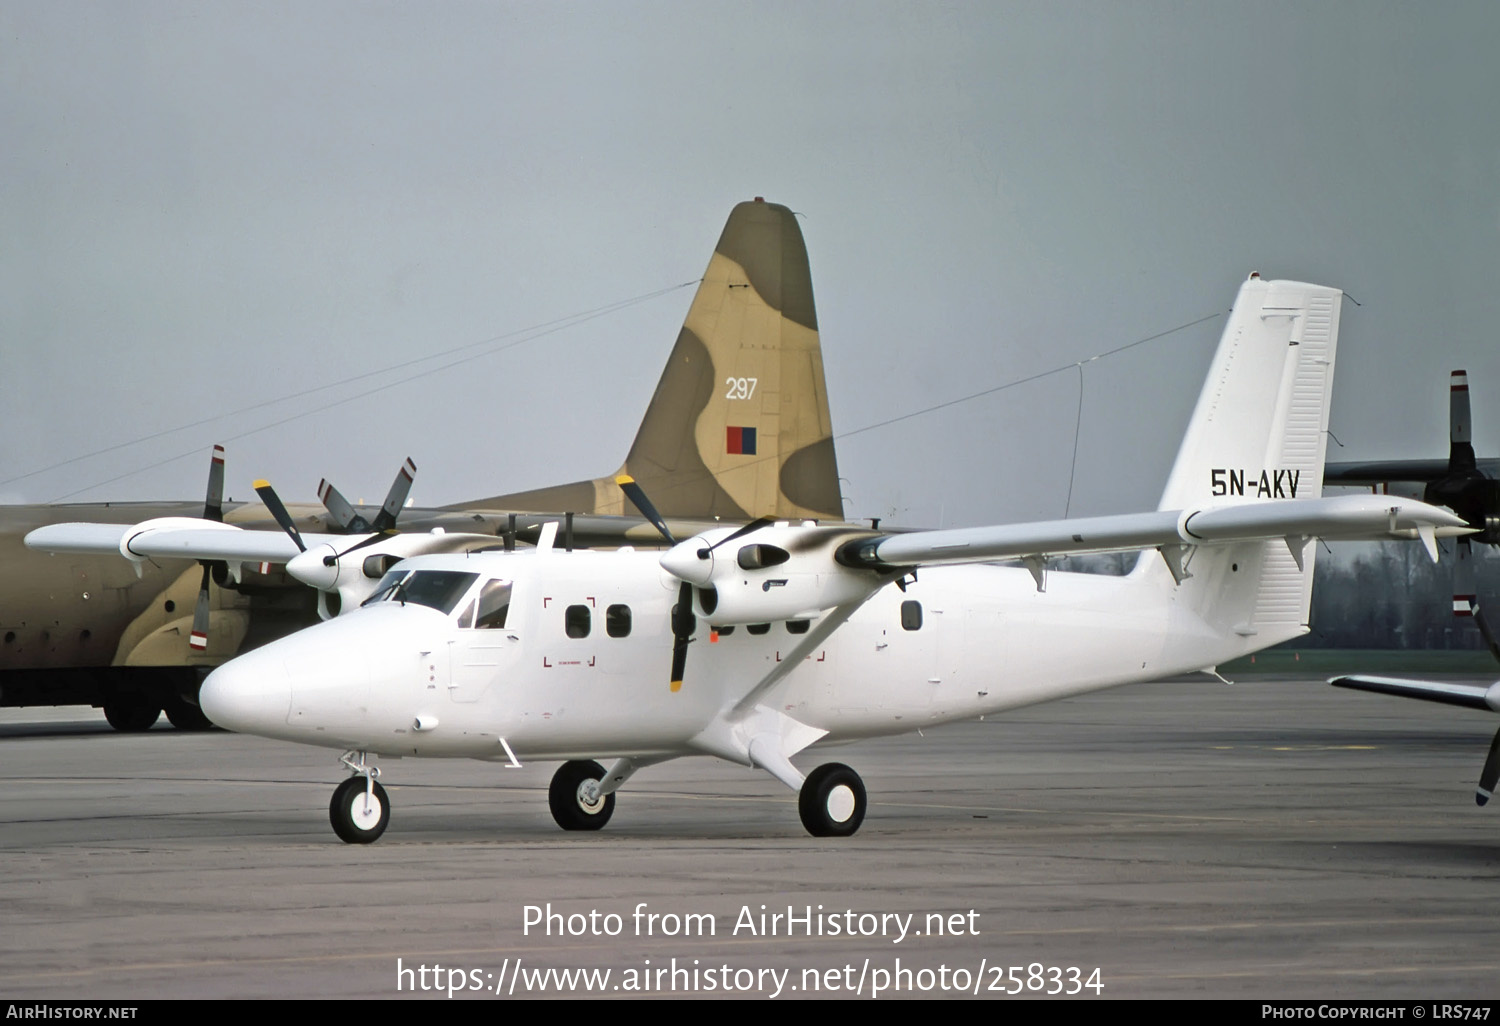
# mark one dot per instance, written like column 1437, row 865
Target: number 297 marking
column 740, row 388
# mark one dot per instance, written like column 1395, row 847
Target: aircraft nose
column 248, row 695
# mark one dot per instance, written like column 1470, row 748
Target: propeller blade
column 213, row 502
column 683, row 625
column 1460, row 423
column 754, row 525
column 213, row 509
column 637, row 496
column 339, row 508
column 278, row 511
column 381, row 536
column 396, row 497
column 1465, row 588
column 1488, row 632
column 198, row 640
column 1486, row 789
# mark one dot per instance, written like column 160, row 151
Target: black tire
column 832, row 801
column 347, row 812
column 567, row 805
column 184, row 715
column 131, row 714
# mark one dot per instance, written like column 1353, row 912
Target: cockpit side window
column 494, row 605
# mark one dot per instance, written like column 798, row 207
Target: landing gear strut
column 832, row 801
column 575, row 799
column 360, row 810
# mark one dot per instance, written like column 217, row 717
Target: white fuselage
column 400, row 678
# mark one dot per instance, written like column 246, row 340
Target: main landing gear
column 832, row 801
column 360, row 810
column 575, row 796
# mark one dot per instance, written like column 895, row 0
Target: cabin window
column 725, row 631
column 798, row 626
column 494, row 605
column 911, row 615
column 617, row 621
column 758, row 628
column 578, row 621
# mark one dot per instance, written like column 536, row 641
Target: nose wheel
column 575, row 799
column 360, row 810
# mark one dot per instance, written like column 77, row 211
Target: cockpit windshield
column 440, row 589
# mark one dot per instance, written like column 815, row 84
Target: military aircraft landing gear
column 360, row 810
column 131, row 713
column 575, row 799
column 184, row 715
column 832, row 801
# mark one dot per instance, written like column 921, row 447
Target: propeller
column 350, row 521
column 1466, row 490
column 320, row 567
column 213, row 509
column 695, row 560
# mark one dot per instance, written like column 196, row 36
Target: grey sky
column 206, row 206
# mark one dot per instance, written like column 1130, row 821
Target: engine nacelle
column 781, row 572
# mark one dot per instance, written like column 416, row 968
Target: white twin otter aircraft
column 779, row 636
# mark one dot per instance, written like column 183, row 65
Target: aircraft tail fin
column 1259, row 432
column 739, row 425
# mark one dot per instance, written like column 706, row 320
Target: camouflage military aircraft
column 738, row 428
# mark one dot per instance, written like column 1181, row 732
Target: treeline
column 1386, row 595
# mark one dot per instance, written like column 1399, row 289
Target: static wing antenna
column 278, row 511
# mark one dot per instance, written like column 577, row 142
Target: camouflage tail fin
column 739, row 424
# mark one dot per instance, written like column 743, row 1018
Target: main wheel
column 832, row 801
column 355, row 821
column 571, row 809
column 131, row 713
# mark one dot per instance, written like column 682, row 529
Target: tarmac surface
column 1275, row 839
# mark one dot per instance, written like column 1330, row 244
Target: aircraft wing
column 175, row 538
column 1472, row 696
column 190, row 538
column 1341, row 517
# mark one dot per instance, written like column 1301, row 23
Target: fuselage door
column 479, row 649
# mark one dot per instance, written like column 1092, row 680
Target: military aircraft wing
column 1344, row 517
column 1472, row 696
column 1378, row 472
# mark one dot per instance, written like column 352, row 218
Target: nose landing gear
column 360, row 810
